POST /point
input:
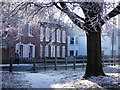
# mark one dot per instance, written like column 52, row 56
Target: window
column 40, row 50
column 46, row 51
column 53, row 51
column 58, row 51
column 31, row 52
column 76, row 52
column 76, row 40
column 21, row 50
column 63, row 51
column 71, row 40
column 47, row 35
column 41, row 33
column 30, row 31
column 71, row 52
column 53, row 34
column 63, row 36
column 58, row 35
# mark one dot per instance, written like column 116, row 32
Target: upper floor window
column 47, row 34
column 30, row 31
column 41, row 33
column 53, row 34
column 63, row 36
column 58, row 35
column 71, row 40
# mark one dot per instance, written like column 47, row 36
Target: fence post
column 103, row 62
column 66, row 63
column 109, row 60
column 83, row 62
column 74, row 63
column 45, row 63
column 55, row 63
column 10, row 67
column 34, row 62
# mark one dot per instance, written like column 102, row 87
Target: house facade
column 42, row 40
column 110, row 44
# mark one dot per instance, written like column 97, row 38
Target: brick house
column 42, row 40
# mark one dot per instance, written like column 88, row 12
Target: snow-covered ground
column 62, row 79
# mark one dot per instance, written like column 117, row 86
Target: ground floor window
column 53, row 51
column 46, row 51
column 76, row 52
column 63, row 51
column 21, row 50
column 71, row 52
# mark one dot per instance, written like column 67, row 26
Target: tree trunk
column 94, row 58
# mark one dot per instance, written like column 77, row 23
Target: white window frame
column 63, row 51
column 64, row 36
column 33, row 49
column 46, row 51
column 53, row 34
column 52, row 50
column 41, row 33
column 58, row 51
column 58, row 35
column 41, row 50
column 47, row 34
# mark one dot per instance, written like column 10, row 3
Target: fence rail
column 57, row 63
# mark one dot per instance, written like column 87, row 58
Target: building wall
column 106, row 44
column 50, row 45
column 43, row 41
column 81, row 46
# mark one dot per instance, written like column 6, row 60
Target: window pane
column 46, row 51
column 71, row 53
column 63, row 51
column 63, row 36
column 40, row 50
column 71, row 40
column 47, row 34
column 41, row 33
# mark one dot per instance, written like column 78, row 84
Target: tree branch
column 74, row 17
column 113, row 13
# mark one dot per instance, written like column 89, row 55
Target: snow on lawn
column 66, row 79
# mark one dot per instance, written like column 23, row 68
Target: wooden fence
column 64, row 63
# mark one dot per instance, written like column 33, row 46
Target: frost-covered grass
column 62, row 79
